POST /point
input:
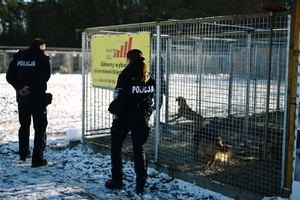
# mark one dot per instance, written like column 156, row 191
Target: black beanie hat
column 37, row 42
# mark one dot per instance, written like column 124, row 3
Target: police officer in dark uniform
column 28, row 73
column 131, row 109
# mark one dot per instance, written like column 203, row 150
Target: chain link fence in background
column 62, row 60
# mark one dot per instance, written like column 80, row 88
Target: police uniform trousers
column 38, row 112
column 139, row 128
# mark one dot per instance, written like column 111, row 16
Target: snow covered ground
column 78, row 172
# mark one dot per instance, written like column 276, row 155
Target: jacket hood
column 131, row 66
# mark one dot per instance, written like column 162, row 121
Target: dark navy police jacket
column 131, row 100
column 30, row 68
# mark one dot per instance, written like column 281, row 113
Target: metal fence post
column 158, row 92
column 268, row 83
column 291, row 129
column 83, row 82
column 230, row 81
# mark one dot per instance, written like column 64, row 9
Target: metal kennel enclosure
column 236, row 72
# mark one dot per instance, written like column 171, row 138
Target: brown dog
column 210, row 145
column 185, row 111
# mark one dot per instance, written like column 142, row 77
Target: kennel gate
column 233, row 71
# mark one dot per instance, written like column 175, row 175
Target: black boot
column 27, row 156
column 111, row 184
column 139, row 189
column 39, row 164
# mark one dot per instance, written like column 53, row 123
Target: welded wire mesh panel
column 220, row 106
column 97, row 118
column 3, row 63
column 233, row 75
column 5, row 59
column 65, row 62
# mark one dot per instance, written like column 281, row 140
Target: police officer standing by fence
column 131, row 109
column 28, row 73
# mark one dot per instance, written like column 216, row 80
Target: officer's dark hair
column 136, row 55
column 37, row 42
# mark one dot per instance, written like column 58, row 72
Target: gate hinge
column 293, row 100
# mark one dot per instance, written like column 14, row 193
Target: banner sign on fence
column 109, row 55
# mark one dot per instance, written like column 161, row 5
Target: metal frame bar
column 185, row 21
